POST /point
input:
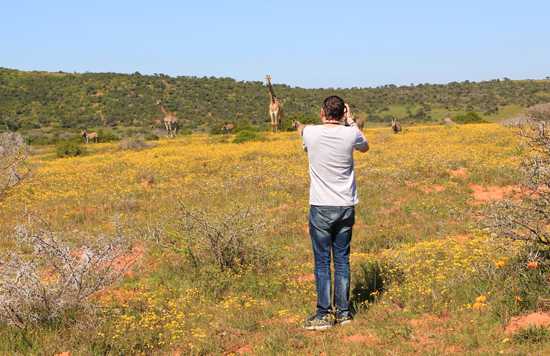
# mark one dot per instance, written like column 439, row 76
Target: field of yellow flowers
column 445, row 285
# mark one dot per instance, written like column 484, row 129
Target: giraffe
column 170, row 120
column 275, row 107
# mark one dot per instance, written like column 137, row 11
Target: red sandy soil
column 462, row 238
column 492, row 193
column 246, row 349
column 461, row 173
column 309, row 277
column 66, row 353
column 127, row 261
column 284, row 320
column 427, row 331
column 434, row 188
column 540, row 319
column 362, row 339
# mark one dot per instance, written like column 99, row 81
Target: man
column 332, row 198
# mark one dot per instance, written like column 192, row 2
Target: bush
column 528, row 219
column 107, row 135
column 52, row 279
column 13, row 153
column 151, row 136
column 69, row 149
column 532, row 335
column 133, row 143
column 246, row 136
column 225, row 241
column 469, row 118
column 372, row 281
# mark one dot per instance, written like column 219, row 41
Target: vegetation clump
column 13, row 154
column 69, row 149
column 48, row 278
column 247, row 136
column 469, row 118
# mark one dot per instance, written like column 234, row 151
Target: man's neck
column 332, row 122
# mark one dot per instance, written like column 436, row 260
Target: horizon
column 301, row 44
column 547, row 78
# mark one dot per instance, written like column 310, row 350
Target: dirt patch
column 427, row 330
column 426, row 321
column 308, row 277
column 492, row 193
column 243, row 350
column 462, row 238
column 127, row 261
column 285, row 320
column 517, row 323
column 461, row 173
column 118, row 296
column 435, row 188
column 411, row 184
column 362, row 339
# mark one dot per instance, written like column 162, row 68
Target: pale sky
column 301, row 43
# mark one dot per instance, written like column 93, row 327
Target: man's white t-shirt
column 330, row 154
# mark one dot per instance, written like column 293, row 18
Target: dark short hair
column 334, row 107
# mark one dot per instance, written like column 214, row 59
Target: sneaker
column 315, row 322
column 344, row 319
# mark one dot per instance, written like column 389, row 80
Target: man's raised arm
column 361, row 144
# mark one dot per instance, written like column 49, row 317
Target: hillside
column 31, row 100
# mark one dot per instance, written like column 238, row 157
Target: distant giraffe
column 275, row 107
column 170, row 120
column 102, row 116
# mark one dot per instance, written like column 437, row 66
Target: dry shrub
column 48, row 278
column 529, row 218
column 228, row 241
column 13, row 153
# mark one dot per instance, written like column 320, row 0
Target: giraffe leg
column 273, row 122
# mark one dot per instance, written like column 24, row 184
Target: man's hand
column 348, row 116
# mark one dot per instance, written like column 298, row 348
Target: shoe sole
column 344, row 322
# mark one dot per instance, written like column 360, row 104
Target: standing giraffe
column 170, row 120
column 275, row 107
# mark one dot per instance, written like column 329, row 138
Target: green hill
column 30, row 100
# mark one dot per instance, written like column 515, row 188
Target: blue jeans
column 330, row 230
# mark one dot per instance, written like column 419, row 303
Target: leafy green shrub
column 186, row 131
column 107, row 135
column 469, row 118
column 372, row 281
column 246, row 127
column 69, row 149
column 247, row 136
